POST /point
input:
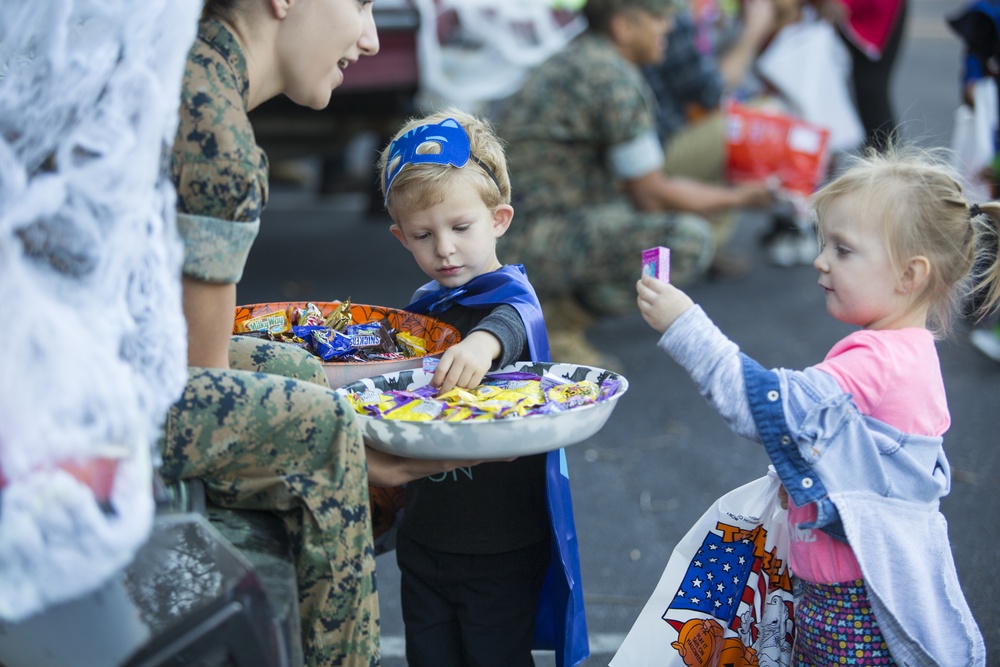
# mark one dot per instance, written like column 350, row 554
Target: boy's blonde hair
column 918, row 204
column 420, row 186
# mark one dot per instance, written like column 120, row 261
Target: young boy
column 476, row 548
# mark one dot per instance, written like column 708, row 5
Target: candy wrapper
column 350, row 340
column 656, row 263
column 410, row 345
column 310, row 316
column 273, row 323
column 333, row 337
column 341, row 316
column 372, row 337
column 526, row 408
column 499, row 396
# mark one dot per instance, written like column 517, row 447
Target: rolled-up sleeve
column 219, row 205
column 215, row 250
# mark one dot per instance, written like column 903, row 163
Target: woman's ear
column 279, row 8
column 502, row 216
column 915, row 275
column 620, row 28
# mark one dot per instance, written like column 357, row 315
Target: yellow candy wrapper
column 275, row 323
column 341, row 317
column 371, row 402
column 568, row 396
column 417, row 410
column 497, row 398
column 410, row 345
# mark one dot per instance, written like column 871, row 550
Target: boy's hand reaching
column 660, row 303
column 464, row 364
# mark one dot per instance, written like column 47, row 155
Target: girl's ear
column 915, row 275
column 502, row 216
column 398, row 233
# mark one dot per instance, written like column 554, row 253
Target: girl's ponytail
column 984, row 225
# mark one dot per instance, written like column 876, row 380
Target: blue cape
column 560, row 621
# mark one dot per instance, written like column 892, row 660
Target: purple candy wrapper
column 512, row 376
column 656, row 263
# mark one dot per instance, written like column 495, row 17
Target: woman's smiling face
column 319, row 39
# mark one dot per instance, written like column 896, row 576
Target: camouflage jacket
column 217, row 167
column 574, row 108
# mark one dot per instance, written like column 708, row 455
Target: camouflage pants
column 275, row 437
column 595, row 255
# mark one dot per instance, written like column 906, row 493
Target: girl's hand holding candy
column 660, row 303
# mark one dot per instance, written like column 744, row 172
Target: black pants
column 870, row 79
column 464, row 610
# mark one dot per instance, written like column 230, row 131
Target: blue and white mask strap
column 449, row 135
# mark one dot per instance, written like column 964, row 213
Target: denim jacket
column 873, row 485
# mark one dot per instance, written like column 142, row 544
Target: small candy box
column 656, row 263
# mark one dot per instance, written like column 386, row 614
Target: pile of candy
column 499, row 396
column 334, row 337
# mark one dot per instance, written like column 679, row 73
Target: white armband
column 637, row 157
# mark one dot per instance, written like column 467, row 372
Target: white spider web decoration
column 93, row 347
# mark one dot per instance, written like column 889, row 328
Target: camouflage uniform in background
column 576, row 233
column 269, row 434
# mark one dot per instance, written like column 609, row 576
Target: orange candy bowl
column 437, row 336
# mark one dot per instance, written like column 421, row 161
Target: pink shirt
column 895, row 377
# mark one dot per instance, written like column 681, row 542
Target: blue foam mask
column 448, row 134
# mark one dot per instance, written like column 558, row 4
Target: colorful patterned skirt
column 835, row 625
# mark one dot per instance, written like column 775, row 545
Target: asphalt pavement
column 665, row 456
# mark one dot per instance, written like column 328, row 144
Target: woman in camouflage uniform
column 258, row 422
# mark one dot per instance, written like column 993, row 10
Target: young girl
column 856, row 439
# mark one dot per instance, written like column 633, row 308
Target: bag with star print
column 725, row 597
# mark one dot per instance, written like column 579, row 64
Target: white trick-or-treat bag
column 725, row 597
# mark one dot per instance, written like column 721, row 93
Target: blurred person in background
column 873, row 32
column 588, row 180
column 978, row 25
column 708, row 56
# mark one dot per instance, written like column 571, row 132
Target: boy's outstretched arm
column 660, row 303
column 464, row 364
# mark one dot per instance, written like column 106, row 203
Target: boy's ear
column 502, row 216
column 398, row 233
column 915, row 274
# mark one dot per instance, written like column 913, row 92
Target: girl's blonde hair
column 420, row 186
column 917, row 201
